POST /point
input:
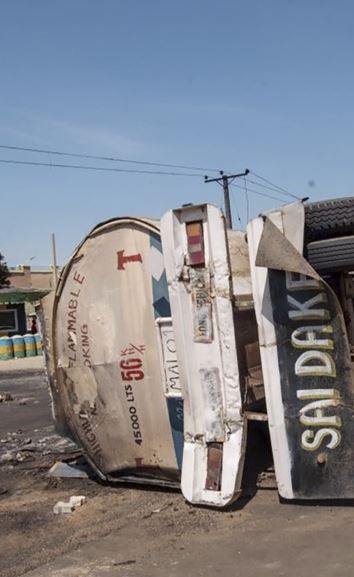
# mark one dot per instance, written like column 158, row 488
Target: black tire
column 332, row 255
column 329, row 218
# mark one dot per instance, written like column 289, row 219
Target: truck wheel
column 329, row 219
column 332, row 254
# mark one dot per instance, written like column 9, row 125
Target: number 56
column 131, row 370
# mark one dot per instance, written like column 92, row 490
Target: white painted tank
column 106, row 350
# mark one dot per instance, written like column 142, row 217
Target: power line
column 236, row 208
column 124, row 170
column 259, row 193
column 272, row 188
column 98, row 168
column 274, row 185
column 247, row 198
column 105, row 158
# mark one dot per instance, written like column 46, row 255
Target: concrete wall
column 20, row 277
column 25, row 277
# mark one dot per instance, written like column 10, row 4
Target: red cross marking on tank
column 122, row 260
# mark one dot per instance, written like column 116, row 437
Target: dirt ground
column 126, row 531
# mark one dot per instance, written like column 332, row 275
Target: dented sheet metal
column 306, row 363
column 44, row 312
column 199, row 279
column 106, row 352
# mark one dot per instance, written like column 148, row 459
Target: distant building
column 27, row 277
column 27, row 285
column 17, row 309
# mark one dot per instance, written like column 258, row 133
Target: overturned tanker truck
column 167, row 338
column 122, row 389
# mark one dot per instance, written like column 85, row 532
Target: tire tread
column 329, row 218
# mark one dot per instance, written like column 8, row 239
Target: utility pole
column 224, row 179
column 54, row 260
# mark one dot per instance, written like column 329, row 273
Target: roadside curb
column 19, row 365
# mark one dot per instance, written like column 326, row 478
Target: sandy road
column 130, row 532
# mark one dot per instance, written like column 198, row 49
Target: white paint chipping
column 208, row 367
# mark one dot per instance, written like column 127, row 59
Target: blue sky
column 262, row 84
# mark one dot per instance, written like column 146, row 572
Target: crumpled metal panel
column 44, row 311
column 306, row 365
column 106, row 352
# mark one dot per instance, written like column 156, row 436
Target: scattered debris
column 20, row 457
column 77, row 501
column 25, row 400
column 68, row 470
column 15, row 447
column 69, row 506
column 162, row 508
column 62, row 507
column 6, row 457
column 6, row 397
column 155, row 511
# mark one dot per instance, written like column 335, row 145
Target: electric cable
column 98, row 168
column 105, row 158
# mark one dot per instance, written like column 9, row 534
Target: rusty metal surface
column 214, row 466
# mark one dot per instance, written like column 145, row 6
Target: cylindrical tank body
column 107, row 352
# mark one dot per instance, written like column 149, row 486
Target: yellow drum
column 6, row 349
column 30, row 345
column 39, row 344
column 19, row 346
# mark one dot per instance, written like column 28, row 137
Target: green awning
column 12, row 296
